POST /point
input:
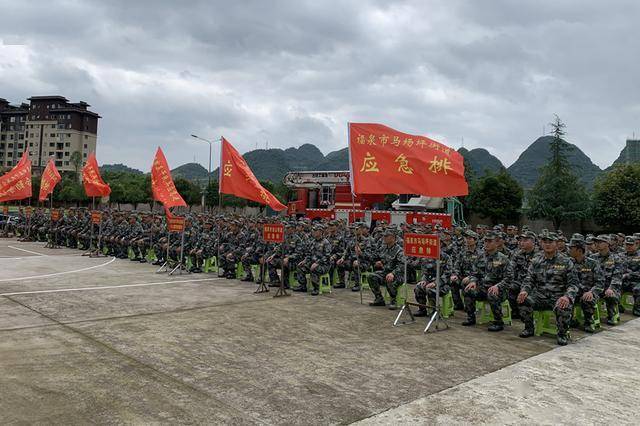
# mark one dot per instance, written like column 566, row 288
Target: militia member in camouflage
column 388, row 269
column 611, row 265
column 590, row 280
column 551, row 283
column 631, row 272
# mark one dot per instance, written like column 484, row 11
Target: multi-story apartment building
column 49, row 127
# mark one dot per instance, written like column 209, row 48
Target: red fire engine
column 327, row 194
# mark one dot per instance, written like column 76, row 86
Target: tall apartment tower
column 49, row 127
column 632, row 151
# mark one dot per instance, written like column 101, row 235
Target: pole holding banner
column 274, row 233
column 177, row 224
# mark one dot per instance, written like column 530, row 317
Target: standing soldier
column 387, row 270
column 551, row 283
column 492, row 275
column 612, row 268
column 590, row 280
column 631, row 272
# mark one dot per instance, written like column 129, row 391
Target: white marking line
column 61, row 290
column 33, row 277
column 27, row 251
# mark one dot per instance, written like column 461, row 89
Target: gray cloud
column 296, row 72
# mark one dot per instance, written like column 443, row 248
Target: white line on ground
column 61, row 290
column 26, row 251
column 33, row 277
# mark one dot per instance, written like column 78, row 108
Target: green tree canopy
column 496, row 196
column 616, row 198
column 558, row 195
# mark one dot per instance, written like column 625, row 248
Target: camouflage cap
column 577, row 240
column 491, row 235
column 469, row 233
column 603, row 238
column 637, row 235
column 630, row 239
column 528, row 234
column 549, row 236
column 481, row 226
column 390, row 230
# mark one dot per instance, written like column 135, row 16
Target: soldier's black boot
column 471, row 320
column 379, row 301
column 315, row 291
column 562, row 339
column 355, row 288
column 527, row 332
column 636, row 309
column 392, row 305
column 422, row 312
column 339, row 285
column 300, row 288
column 496, row 326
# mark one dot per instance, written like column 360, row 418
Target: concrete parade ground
column 108, row 341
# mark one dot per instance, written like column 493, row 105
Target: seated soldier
column 631, row 272
column 590, row 280
column 425, row 290
column 551, row 284
column 388, row 269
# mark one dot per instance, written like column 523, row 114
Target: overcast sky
column 291, row 72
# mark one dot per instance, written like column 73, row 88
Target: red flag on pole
column 16, row 183
column 236, row 178
column 50, row 178
column 385, row 161
column 162, row 186
column 94, row 186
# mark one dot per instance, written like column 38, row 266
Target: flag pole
column 353, row 212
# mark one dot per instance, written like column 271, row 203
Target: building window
column 31, row 135
column 66, row 163
column 30, row 143
column 11, row 137
column 10, row 145
column 53, row 126
column 51, row 153
column 86, row 136
column 67, row 144
column 51, row 144
column 53, row 135
column 20, row 136
column 68, row 135
column 20, row 146
column 85, row 146
column 84, row 155
column 66, row 154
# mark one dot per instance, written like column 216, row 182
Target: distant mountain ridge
column 273, row 164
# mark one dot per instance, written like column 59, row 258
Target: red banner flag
column 236, row 178
column 16, row 183
column 50, row 178
column 385, row 161
column 162, row 186
column 94, row 186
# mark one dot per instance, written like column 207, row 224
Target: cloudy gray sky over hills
column 291, row 72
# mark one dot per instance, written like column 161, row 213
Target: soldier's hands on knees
column 378, row 265
column 493, row 290
column 431, row 285
column 563, row 302
column 587, row 297
column 340, row 261
column 608, row 292
column 355, row 263
column 470, row 286
column 454, row 278
column 390, row 277
column 522, row 296
column 285, row 262
column 314, row 266
column 465, row 281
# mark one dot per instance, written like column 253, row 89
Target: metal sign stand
column 407, row 304
column 180, row 267
column 165, row 265
column 262, row 287
column 98, row 251
column 281, row 290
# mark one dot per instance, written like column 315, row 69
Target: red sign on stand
column 273, row 233
column 175, row 224
column 422, row 245
column 55, row 215
column 96, row 217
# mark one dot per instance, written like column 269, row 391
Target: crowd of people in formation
column 532, row 272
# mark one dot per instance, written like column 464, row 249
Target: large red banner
column 422, row 245
column 236, row 178
column 162, row 185
column 433, row 219
column 385, row 161
column 50, row 178
column 16, row 183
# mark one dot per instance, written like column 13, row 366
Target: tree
column 558, row 195
column 496, row 196
column 190, row 192
column 616, row 198
column 212, row 197
column 76, row 161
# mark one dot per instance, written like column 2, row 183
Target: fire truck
column 327, row 194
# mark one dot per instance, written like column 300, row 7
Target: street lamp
column 210, row 156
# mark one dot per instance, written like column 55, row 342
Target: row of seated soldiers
column 531, row 272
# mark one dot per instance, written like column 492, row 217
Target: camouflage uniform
column 611, row 265
column 318, row 251
column 631, row 273
column 428, row 268
column 548, row 279
column 392, row 259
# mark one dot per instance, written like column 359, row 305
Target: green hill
column 526, row 169
column 481, row 161
column 119, row 168
column 190, row 171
